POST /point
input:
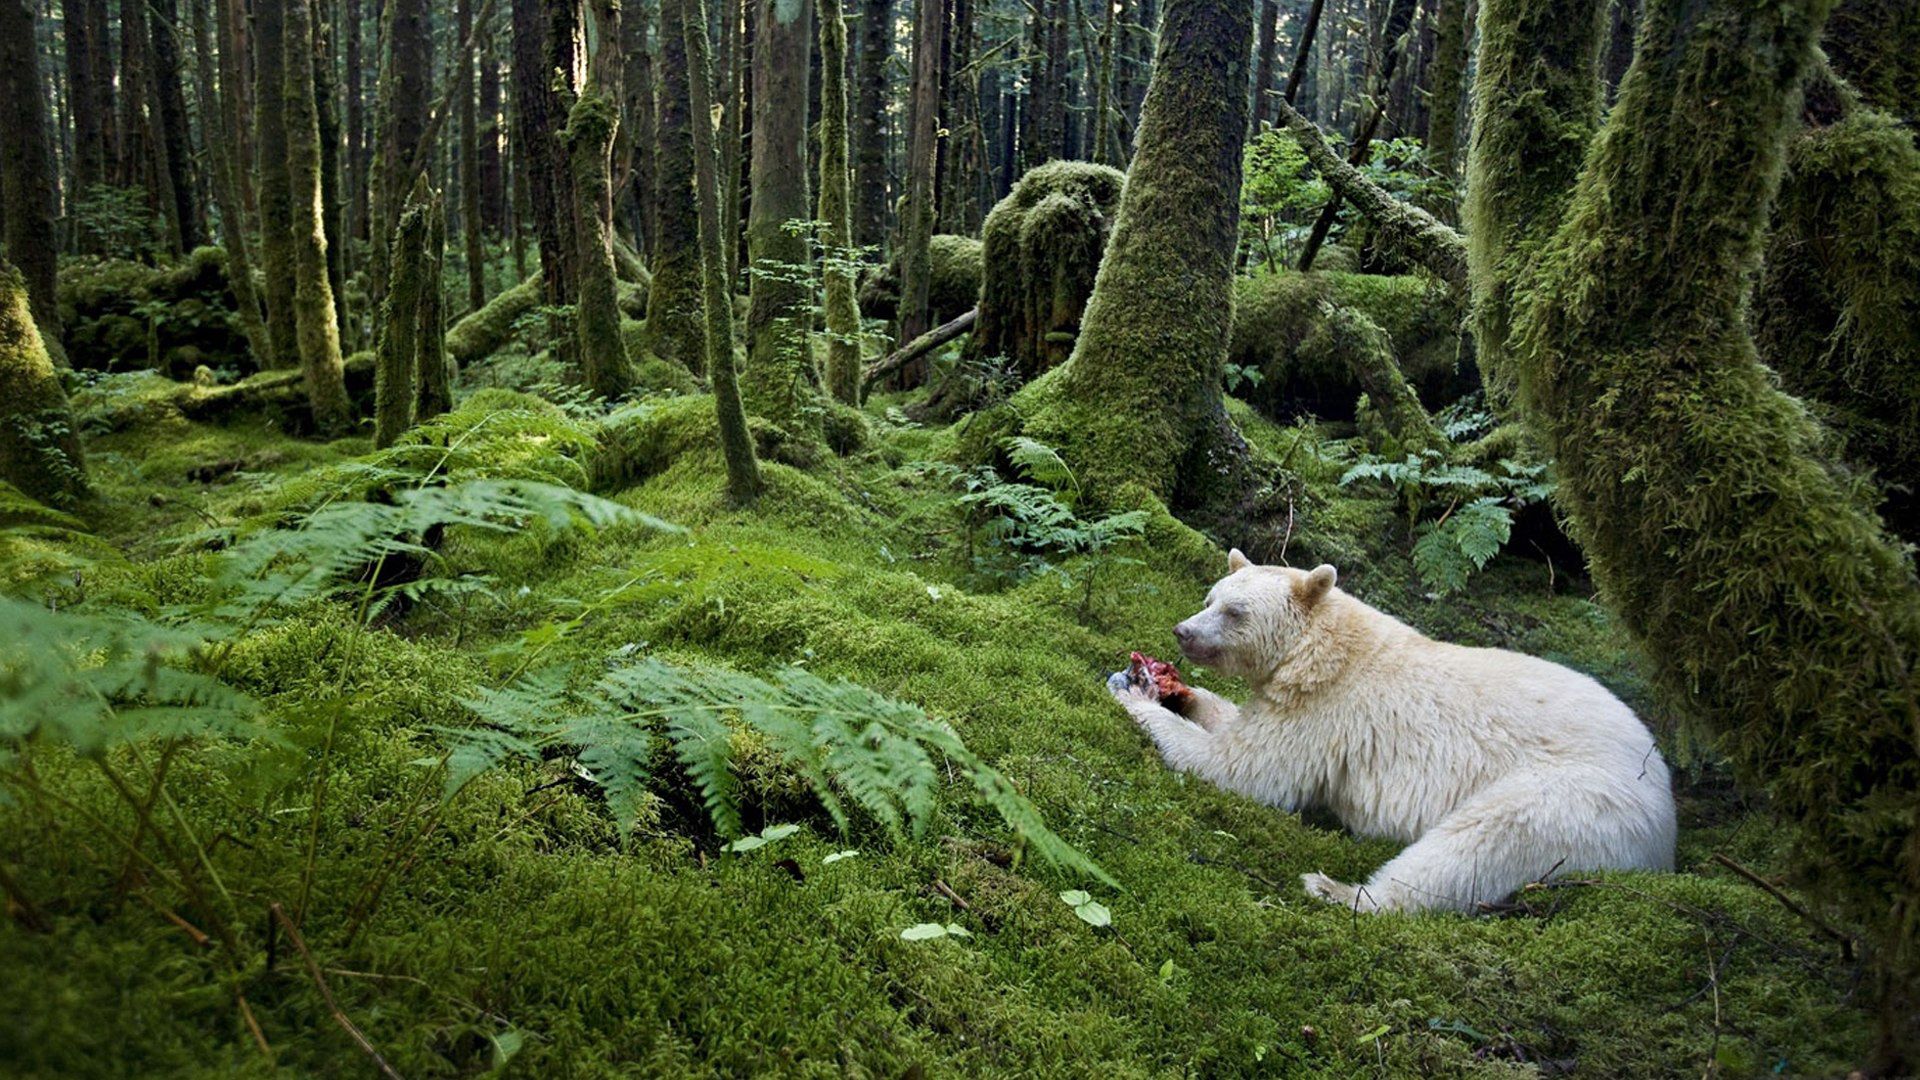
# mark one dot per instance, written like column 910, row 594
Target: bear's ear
column 1318, row 584
column 1237, row 562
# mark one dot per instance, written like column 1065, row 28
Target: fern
column 853, row 746
column 1448, row 551
column 1041, row 462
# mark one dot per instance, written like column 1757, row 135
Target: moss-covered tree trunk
column 1139, row 402
column 736, row 442
column 842, row 313
column 402, row 98
column 467, row 146
column 916, row 207
column 89, row 90
column 876, row 44
column 170, row 105
column 39, row 446
column 1446, row 74
column 1041, row 253
column 1769, row 604
column 397, row 368
column 635, row 25
column 275, row 193
column 674, row 315
column 314, row 315
column 781, row 381
column 591, row 127
column 28, row 190
column 435, row 394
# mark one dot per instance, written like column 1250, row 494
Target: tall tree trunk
column 359, row 150
column 1303, row 51
column 640, row 115
column 916, row 209
column 1105, row 150
column 1138, row 403
column 1769, row 605
column 396, row 373
column 674, row 320
column 170, row 104
column 876, row 44
column 435, row 372
column 136, row 90
column 493, row 164
column 276, row 197
column 91, row 97
column 217, row 121
column 402, row 99
column 39, row 443
column 836, row 219
column 1046, row 82
column 1263, row 66
column 736, row 443
column 469, row 151
column 29, row 193
column 326, row 93
column 314, row 314
column 780, row 382
column 735, row 87
column 591, row 126
column 1447, row 76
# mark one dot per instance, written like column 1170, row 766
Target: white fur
column 1496, row 768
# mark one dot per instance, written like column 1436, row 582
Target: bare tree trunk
column 836, row 219
column 1263, row 66
column 916, row 210
column 91, row 96
column 876, row 44
column 29, row 193
column 469, row 151
column 174, row 140
column 640, row 115
column 493, row 164
column 736, row 443
column 1303, row 52
column 1105, row 152
column 314, row 314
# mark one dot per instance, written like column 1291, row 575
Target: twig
column 1846, row 943
column 198, row 935
column 326, row 993
column 918, row 347
column 946, row 890
column 1713, row 980
column 253, row 1025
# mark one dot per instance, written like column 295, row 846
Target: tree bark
column 1447, row 74
column 29, row 193
column 218, row 122
column 402, row 99
column 430, row 351
column 736, row 442
column 89, row 94
column 781, row 382
column 640, row 117
column 396, row 378
column 1138, row 404
column 876, row 44
column 170, row 105
column 314, row 313
column 836, row 219
column 591, row 126
column 468, row 142
column 674, row 319
column 1303, row 52
column 1263, row 67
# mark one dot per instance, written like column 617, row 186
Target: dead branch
column 1788, row 902
column 918, row 347
column 326, row 993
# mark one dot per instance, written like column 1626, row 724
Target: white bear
column 1497, row 769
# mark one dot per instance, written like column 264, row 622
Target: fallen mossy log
column 918, row 347
column 480, row 334
column 1419, row 235
column 279, row 390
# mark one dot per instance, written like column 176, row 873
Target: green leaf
column 779, row 832
column 956, row 930
column 1372, row 1035
column 837, row 856
column 746, row 843
column 1166, row 970
column 1094, row 913
column 1074, row 897
column 925, row 931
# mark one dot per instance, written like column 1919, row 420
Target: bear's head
column 1255, row 617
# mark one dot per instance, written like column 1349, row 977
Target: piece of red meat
column 1163, row 677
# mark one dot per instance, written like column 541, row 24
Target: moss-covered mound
column 1043, row 244
column 122, row 315
column 516, row 924
column 1274, row 314
column 953, row 286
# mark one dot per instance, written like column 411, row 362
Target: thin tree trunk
column 91, row 98
column 836, row 219
column 1263, row 66
column 1303, row 52
column 635, row 26
column 1399, row 18
column 396, row 376
column 314, row 315
column 916, row 209
column 170, row 103
column 493, row 164
column 735, row 87
column 401, row 102
column 469, row 151
column 326, row 93
column 736, row 442
column 29, row 192
column 1104, row 153
column 1448, row 73
column 780, row 381
column 430, row 349
column 591, row 126
column 358, row 165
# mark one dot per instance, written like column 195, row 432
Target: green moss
column 121, row 315
column 39, row 444
column 953, row 284
column 1837, row 313
column 1042, row 248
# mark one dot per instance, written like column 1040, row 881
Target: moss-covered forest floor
column 526, row 931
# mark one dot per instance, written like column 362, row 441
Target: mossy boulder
column 122, row 315
column 1043, row 244
column 1276, row 314
column 952, row 289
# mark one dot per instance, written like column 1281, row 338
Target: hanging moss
column 1042, row 248
column 1275, row 313
column 953, row 287
column 1138, row 403
column 39, row 447
column 1838, row 308
column 1771, row 606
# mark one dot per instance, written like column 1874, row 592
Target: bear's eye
column 1235, row 611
